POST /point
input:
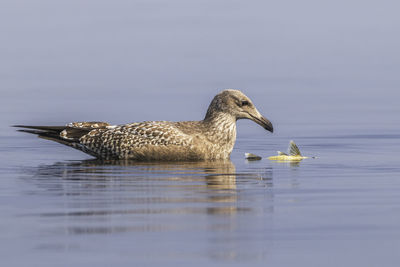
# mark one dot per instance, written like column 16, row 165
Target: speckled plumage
column 211, row 138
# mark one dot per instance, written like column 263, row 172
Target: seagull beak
column 264, row 122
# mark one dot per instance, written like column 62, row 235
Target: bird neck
column 221, row 129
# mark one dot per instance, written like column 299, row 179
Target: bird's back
column 151, row 140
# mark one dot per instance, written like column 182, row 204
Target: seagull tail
column 61, row 134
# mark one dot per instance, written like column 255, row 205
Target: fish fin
column 280, row 153
column 293, row 150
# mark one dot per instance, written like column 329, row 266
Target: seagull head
column 238, row 105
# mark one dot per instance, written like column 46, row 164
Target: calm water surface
column 341, row 208
column 325, row 73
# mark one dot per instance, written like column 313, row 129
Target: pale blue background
column 147, row 60
column 326, row 73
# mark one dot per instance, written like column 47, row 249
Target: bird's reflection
column 121, row 187
column 217, row 174
column 208, row 200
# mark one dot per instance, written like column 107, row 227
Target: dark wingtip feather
column 30, row 131
column 43, row 128
column 24, row 126
column 48, row 135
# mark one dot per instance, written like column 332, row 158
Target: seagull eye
column 244, row 103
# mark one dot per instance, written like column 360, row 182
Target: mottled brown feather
column 211, row 138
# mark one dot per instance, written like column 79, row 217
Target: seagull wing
column 134, row 140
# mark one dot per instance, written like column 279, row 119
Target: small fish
column 250, row 156
column 292, row 155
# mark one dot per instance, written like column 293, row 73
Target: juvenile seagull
column 211, row 138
